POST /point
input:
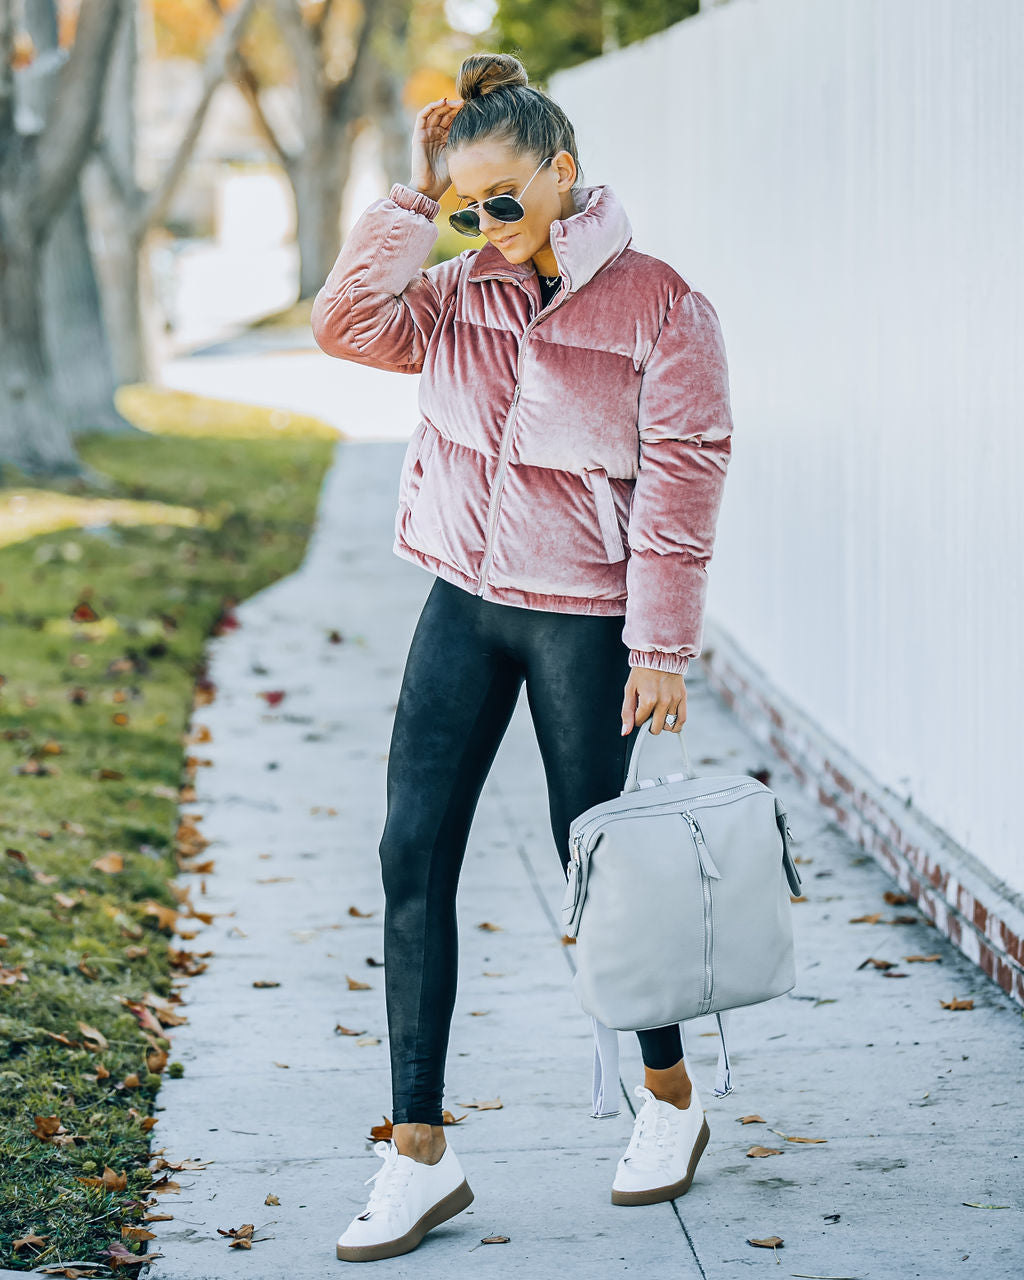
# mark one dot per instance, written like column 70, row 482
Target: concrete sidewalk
column 920, row 1108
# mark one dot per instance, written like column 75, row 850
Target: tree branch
column 156, row 201
column 249, row 85
column 6, row 72
column 341, row 102
column 303, row 40
column 68, row 135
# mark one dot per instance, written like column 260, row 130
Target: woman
column 563, row 486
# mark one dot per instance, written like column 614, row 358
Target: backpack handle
column 634, row 760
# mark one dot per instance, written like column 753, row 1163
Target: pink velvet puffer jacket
column 570, row 458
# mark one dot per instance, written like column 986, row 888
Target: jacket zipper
column 506, row 434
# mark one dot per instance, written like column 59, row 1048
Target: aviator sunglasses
column 504, row 208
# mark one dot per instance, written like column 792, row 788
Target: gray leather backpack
column 678, row 898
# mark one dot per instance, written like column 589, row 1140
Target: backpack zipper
column 668, row 807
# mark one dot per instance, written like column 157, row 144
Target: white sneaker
column 663, row 1152
column 408, row 1199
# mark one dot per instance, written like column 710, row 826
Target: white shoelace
column 389, row 1181
column 647, row 1147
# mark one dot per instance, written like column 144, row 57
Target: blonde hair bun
column 482, row 73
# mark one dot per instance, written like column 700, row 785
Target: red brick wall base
column 981, row 915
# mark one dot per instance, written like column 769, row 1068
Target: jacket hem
column 510, row 595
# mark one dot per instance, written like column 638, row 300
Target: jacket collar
column 582, row 243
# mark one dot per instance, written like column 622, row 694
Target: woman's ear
column 565, row 166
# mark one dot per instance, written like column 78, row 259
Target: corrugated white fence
column 844, row 179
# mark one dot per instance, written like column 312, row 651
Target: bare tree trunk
column 38, row 172
column 73, row 323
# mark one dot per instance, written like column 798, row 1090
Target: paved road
column 921, row 1108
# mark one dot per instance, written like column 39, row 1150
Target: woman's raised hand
column 429, row 135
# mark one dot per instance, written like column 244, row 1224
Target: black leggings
column 466, row 663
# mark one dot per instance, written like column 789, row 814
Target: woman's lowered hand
column 653, row 693
column 429, row 135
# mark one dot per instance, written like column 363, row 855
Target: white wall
column 844, row 179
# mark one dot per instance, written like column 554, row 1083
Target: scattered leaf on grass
column 271, row 1198
column 381, row 1132
column 110, row 862
column 757, row 1152
column 360, row 915
column 355, row 985
column 495, row 1240
column 958, row 1002
column 347, row 1031
column 495, row 1104
column 871, row 919
column 490, row 928
column 922, row 959
column 878, row 964
column 28, row 1242
column 751, row 1119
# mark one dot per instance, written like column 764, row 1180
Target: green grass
column 78, row 944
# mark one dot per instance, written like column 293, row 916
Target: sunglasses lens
column 467, row 222
column 504, row 208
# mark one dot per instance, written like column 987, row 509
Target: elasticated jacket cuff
column 415, row 201
column 674, row 663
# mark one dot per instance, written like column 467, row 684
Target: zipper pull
column 577, row 840
column 707, row 863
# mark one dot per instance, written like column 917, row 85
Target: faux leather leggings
column 466, row 663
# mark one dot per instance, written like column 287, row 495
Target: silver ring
column 671, row 718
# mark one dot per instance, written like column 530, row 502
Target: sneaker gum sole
column 655, row 1195
column 454, row 1202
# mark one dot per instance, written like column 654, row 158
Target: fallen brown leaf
column 479, row 1013
column 878, row 964
column 364, row 1040
column 271, row 1198
column 360, row 915
column 488, row 927
column 757, row 1152
column 347, row 1031
column 567, row 941
column 495, row 1240
column 381, row 1132
column 495, row 1104
column 448, row 1117
column 28, row 1242
column 110, row 862
column 872, row 919
column 355, row 985
column 751, row 1119
column 769, row 1242
column 265, row 982
column 897, row 899
column 922, row 959
column 957, row 1002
